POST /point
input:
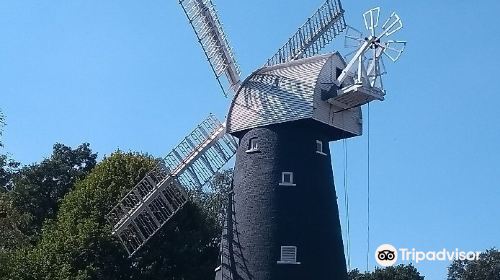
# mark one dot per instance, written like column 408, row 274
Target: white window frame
column 286, row 259
column 319, row 143
column 283, row 182
column 251, row 147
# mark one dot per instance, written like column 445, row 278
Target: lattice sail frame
column 314, row 35
column 163, row 191
column 208, row 29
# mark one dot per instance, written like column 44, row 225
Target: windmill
column 282, row 220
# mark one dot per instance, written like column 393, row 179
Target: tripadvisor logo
column 387, row 255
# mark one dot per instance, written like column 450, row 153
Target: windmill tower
column 282, row 219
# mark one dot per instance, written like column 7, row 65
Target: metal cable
column 346, row 203
column 368, row 196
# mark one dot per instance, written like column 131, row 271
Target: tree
column 78, row 243
column 196, row 230
column 38, row 188
column 7, row 166
column 11, row 222
column 400, row 272
column 2, row 124
column 216, row 198
column 10, row 218
column 487, row 267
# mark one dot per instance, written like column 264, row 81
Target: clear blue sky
column 130, row 75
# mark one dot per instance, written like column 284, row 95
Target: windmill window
column 288, row 255
column 319, row 147
column 276, row 82
column 338, row 72
column 253, row 145
column 287, row 179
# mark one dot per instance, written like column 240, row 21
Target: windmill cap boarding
column 293, row 91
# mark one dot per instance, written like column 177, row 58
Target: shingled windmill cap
column 289, row 92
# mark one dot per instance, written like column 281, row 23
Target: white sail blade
column 392, row 25
column 371, row 18
column 314, row 35
column 162, row 192
column 207, row 27
column 394, row 49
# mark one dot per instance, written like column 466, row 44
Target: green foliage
column 38, row 188
column 216, row 198
column 78, row 244
column 400, row 272
column 186, row 248
column 7, row 166
column 192, row 238
column 11, row 221
column 2, row 124
column 487, row 267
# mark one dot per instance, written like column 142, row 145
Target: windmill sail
column 162, row 192
column 207, row 27
column 367, row 67
column 318, row 31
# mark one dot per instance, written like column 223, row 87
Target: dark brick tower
column 268, row 212
column 283, row 219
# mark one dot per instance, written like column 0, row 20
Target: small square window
column 287, row 179
column 338, row 72
column 319, row 147
column 253, row 145
column 276, row 82
column 288, row 255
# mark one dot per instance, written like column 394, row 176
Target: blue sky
column 130, row 75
